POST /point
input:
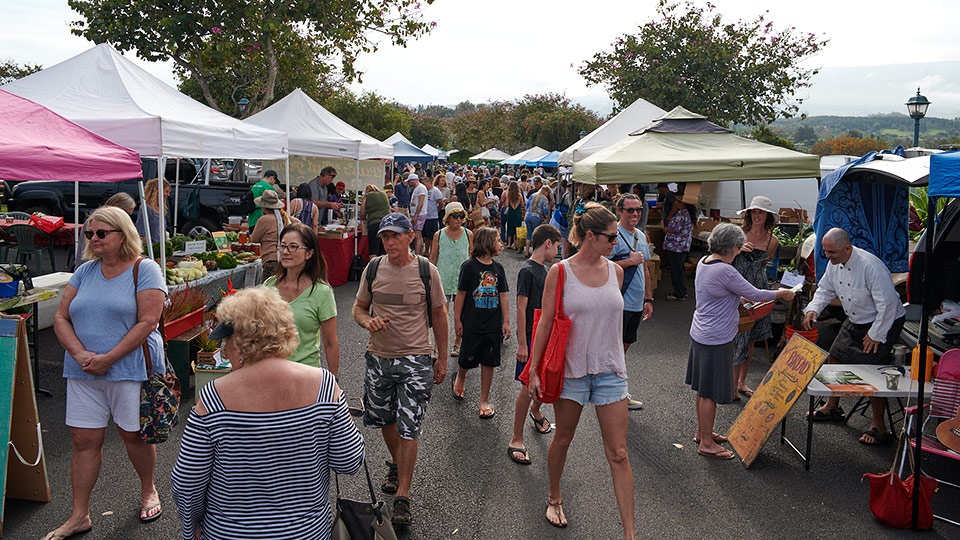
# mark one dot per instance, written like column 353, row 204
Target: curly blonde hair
column 262, row 322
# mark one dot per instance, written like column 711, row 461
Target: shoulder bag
column 160, row 394
column 551, row 365
column 355, row 520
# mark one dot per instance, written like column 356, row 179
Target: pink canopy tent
column 39, row 144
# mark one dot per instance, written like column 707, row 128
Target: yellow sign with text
column 781, row 386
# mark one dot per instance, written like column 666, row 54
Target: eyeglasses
column 292, row 248
column 458, row 215
column 101, row 233
column 610, row 237
column 634, row 210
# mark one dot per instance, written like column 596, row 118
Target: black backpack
column 424, row 266
column 247, row 206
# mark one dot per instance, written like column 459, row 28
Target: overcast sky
column 484, row 50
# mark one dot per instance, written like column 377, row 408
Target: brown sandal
column 558, row 508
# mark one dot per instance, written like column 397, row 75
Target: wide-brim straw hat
column 269, row 200
column 761, row 203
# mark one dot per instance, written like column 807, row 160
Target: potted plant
column 208, row 348
column 794, row 318
column 183, row 311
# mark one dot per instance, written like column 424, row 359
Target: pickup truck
column 218, row 200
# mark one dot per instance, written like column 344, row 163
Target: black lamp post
column 917, row 107
column 244, row 102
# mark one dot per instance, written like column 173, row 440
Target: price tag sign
column 197, row 246
column 220, row 238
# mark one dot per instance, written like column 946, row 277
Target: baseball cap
column 341, row 185
column 270, row 172
column 223, row 330
column 394, row 222
column 413, row 176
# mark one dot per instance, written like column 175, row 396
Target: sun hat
column 413, row 176
column 394, row 222
column 269, row 200
column 761, row 203
column 453, row 207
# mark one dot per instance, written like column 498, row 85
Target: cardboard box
column 704, row 225
column 691, row 194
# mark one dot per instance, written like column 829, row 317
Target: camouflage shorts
column 397, row 390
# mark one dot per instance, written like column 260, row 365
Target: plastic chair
column 944, row 402
column 18, row 215
column 26, row 245
column 773, row 266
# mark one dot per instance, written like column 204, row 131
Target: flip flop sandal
column 879, row 439
column 747, row 393
column 558, row 509
column 717, row 438
column 145, row 516
column 453, row 390
column 55, row 534
column 542, row 425
column 724, row 454
column 525, row 460
column 835, row 415
column 485, row 415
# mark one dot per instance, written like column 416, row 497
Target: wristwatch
column 648, row 300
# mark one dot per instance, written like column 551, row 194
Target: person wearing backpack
column 400, row 372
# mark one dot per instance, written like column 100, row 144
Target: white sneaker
column 634, row 404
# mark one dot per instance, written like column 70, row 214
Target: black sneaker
column 401, row 512
column 391, row 480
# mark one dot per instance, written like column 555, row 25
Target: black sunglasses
column 634, row 210
column 101, row 233
column 610, row 237
column 458, row 215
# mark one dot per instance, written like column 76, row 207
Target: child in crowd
column 545, row 243
column 481, row 315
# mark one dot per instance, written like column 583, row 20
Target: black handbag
column 356, row 268
column 357, row 520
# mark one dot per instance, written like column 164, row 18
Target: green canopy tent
column 682, row 146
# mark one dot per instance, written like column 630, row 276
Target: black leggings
column 677, row 278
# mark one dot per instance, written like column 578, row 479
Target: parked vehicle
column 216, row 201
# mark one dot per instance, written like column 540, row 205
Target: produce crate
column 174, row 328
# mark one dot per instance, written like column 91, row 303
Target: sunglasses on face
column 101, row 233
column 634, row 210
column 458, row 215
column 610, row 237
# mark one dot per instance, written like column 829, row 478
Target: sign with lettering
column 220, row 238
column 781, row 386
column 196, row 246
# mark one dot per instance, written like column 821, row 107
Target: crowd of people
column 440, row 237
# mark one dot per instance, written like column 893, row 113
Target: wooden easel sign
column 782, row 385
column 23, row 471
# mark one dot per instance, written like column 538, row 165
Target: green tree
column 488, row 125
column 370, row 113
column 846, row 145
column 765, row 135
column 205, row 39
column 11, row 71
column 428, row 129
column 805, row 135
column 744, row 72
column 550, row 121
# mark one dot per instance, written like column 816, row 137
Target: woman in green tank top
column 451, row 246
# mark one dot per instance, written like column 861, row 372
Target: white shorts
column 91, row 403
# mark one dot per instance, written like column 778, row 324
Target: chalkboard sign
column 781, row 386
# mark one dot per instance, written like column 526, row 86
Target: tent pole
column 922, row 342
column 143, row 212
column 286, row 166
column 176, row 195
column 743, row 194
column 76, row 224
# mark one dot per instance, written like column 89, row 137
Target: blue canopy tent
column 944, row 182
column 405, row 152
column 869, row 199
column 549, row 159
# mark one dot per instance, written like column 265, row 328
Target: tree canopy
column 11, row 71
column 231, row 49
column 745, row 72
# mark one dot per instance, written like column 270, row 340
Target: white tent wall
column 640, row 113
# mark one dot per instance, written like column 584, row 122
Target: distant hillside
column 895, row 128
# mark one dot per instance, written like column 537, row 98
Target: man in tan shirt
column 400, row 372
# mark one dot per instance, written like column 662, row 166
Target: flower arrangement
column 184, row 302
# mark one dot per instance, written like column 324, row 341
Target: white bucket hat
column 761, row 203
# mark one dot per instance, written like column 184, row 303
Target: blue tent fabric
column 875, row 215
column 944, row 175
column 547, row 160
column 405, row 152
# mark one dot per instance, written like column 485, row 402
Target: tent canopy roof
column 315, row 131
column 684, row 147
column 39, row 144
column 522, row 157
column 397, row 137
column 406, row 152
column 113, row 97
column 945, row 175
column 493, row 154
column 639, row 114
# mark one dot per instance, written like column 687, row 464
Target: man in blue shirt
column 631, row 253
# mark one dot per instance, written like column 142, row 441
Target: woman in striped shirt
column 258, row 447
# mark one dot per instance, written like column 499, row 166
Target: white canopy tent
column 113, row 97
column 638, row 115
column 523, row 157
column 397, row 137
column 493, row 154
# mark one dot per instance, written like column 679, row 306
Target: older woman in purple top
column 719, row 289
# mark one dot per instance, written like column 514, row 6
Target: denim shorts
column 600, row 389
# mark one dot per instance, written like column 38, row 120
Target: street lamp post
column 244, row 102
column 583, row 133
column 917, row 107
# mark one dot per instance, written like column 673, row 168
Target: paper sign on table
column 781, row 386
column 791, row 279
column 195, row 246
column 220, row 238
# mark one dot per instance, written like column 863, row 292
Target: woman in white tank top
column 594, row 368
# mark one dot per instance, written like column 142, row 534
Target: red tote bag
column 550, row 368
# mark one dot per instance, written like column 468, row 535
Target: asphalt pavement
column 465, row 485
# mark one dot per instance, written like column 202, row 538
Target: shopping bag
column 361, row 520
column 891, row 499
column 550, row 369
column 521, row 239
